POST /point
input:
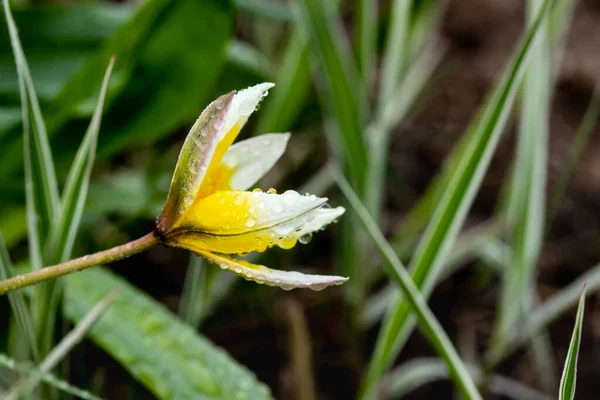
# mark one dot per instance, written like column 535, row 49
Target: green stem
column 79, row 264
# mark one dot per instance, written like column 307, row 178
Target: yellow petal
column 260, row 274
column 241, row 222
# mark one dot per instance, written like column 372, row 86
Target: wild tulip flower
column 209, row 209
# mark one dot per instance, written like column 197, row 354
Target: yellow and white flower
column 209, row 211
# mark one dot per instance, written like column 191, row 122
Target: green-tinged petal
column 286, row 280
column 249, row 160
column 206, row 144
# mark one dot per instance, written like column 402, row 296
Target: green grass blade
column 429, row 325
column 17, row 302
column 270, row 9
column 171, row 359
column 193, row 298
column 47, row 378
column 527, row 193
column 78, row 180
column 321, row 22
column 24, row 387
column 366, row 28
column 567, row 381
column 389, row 115
column 283, row 106
column 396, row 49
column 452, row 208
column 421, row 371
column 586, row 128
column 542, row 315
column 40, row 179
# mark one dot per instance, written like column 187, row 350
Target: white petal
column 286, row 280
column 318, row 221
column 243, row 104
column 251, row 159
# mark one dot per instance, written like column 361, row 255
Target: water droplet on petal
column 188, row 200
column 277, row 207
column 250, row 222
column 257, row 190
column 272, row 191
column 306, row 238
column 218, row 124
column 239, row 199
column 261, row 205
column 290, row 197
column 237, row 270
column 204, row 131
column 246, row 108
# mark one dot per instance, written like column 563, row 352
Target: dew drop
column 306, row 238
column 251, row 209
column 277, row 207
column 250, row 222
column 287, row 243
column 239, row 200
column 261, row 205
column 188, row 200
column 218, row 124
column 246, row 108
column 272, row 191
column 290, row 197
column 237, row 270
column 257, row 190
column 204, row 131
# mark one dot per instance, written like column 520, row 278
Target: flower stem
column 79, row 264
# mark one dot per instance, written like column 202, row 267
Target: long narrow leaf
column 47, row 378
column 324, row 27
column 17, row 302
column 41, row 187
column 396, row 271
column 451, row 211
column 293, row 83
column 567, row 381
column 78, row 180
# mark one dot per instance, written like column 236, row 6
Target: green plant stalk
column 79, row 264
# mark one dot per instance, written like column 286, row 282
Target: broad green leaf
column 569, row 375
column 17, row 302
column 451, row 210
column 428, row 323
column 179, row 65
column 47, row 378
column 158, row 349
